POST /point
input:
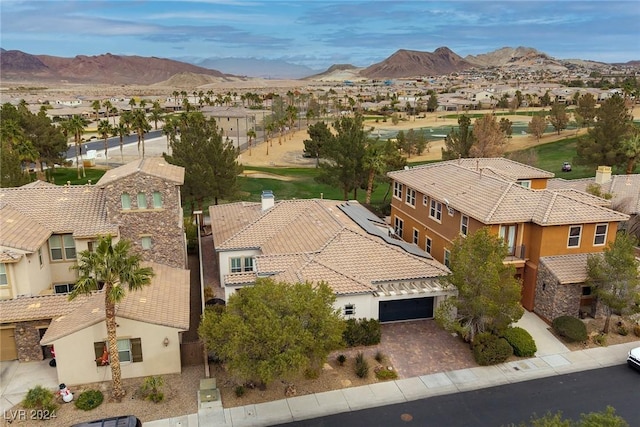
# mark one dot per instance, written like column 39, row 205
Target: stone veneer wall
column 27, row 337
column 554, row 299
column 164, row 225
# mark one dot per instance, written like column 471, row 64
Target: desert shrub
column 362, row 332
column 623, row 330
column 384, row 374
column 571, row 328
column 89, row 400
column 362, row 366
column 600, row 339
column 239, row 391
column 636, row 330
column 521, row 341
column 191, row 232
column 379, row 357
column 311, row 373
column 151, row 389
column 341, row 359
column 40, row 398
column 488, row 349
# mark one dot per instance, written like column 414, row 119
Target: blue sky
column 320, row 33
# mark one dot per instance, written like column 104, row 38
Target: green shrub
column 600, row 339
column 521, row 341
column 341, row 359
column 623, row 330
column 89, row 400
column 489, row 349
column 311, row 373
column 571, row 328
column 636, row 330
column 384, row 374
column 239, row 390
column 379, row 357
column 362, row 332
column 362, row 366
column 151, row 389
column 40, row 398
column 191, row 231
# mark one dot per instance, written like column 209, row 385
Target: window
column 508, row 234
column 600, row 237
column 425, row 200
column 574, row 236
column 142, row 201
column 40, row 257
column 129, row 350
column 349, row 310
column 157, row 200
column 416, row 236
column 146, row 242
column 435, row 211
column 411, row 197
column 91, row 246
column 63, row 288
column 125, row 199
column 62, row 247
column 427, row 245
column 397, row 190
column 241, row 264
column 525, row 183
column 398, row 226
column 4, row 280
column 586, row 291
column 447, row 258
column 464, row 225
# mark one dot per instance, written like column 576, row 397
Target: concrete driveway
column 17, row 378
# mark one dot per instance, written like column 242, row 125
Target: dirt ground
column 594, row 328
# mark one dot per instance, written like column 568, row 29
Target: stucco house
column 44, row 226
column 373, row 274
column 434, row 204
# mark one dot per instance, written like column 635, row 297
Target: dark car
column 633, row 359
column 566, row 167
column 122, row 421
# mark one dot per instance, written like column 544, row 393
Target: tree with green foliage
column 114, row 269
column 458, row 142
column 156, row 114
column 545, row 100
column 345, row 153
column 319, row 136
column 270, row 330
column 537, row 126
column 488, row 138
column 506, row 126
column 604, row 143
column 614, row 278
column 631, row 148
column 210, row 161
column 141, row 125
column 432, row 102
column 488, row 294
column 381, row 157
column 586, row 109
column 105, row 130
column 76, row 126
column 606, row 418
column 558, row 117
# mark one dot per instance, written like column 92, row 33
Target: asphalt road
column 573, row 394
column 98, row 144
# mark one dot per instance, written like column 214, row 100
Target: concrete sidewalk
column 545, row 364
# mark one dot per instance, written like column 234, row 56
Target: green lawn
column 62, row 175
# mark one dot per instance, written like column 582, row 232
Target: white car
column 633, row 359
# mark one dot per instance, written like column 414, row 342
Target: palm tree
column 108, row 106
column 121, row 130
column 250, row 135
column 76, row 127
column 170, row 129
column 95, row 105
column 156, row 113
column 104, row 130
column 141, row 125
column 631, row 148
column 115, row 270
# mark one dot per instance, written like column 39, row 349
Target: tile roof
column 504, row 167
column 624, row 188
column 231, row 218
column 494, row 200
column 38, row 307
column 314, row 240
column 61, row 209
column 18, row 231
column 154, row 166
column 567, row 268
column 164, row 302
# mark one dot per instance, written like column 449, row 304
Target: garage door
column 406, row 309
column 8, row 345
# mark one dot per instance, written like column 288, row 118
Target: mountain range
column 17, row 66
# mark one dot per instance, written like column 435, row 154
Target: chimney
column 603, row 174
column 267, row 200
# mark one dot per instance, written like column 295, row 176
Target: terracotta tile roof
column 567, row 268
column 624, row 188
column 154, row 166
column 314, row 240
column 8, row 256
column 504, row 167
column 164, row 302
column 38, row 307
column 38, row 183
column 62, row 209
column 231, row 218
column 494, row 200
column 19, row 231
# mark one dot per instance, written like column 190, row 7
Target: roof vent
column 268, row 200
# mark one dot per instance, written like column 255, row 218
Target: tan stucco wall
column 76, row 358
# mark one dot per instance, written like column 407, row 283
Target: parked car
column 566, row 167
column 633, row 359
column 122, row 421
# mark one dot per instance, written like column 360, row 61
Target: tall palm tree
column 141, row 125
column 105, row 130
column 631, row 148
column 95, row 105
column 121, row 130
column 76, row 126
column 108, row 106
column 156, row 113
column 250, row 135
column 115, row 270
column 170, row 129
